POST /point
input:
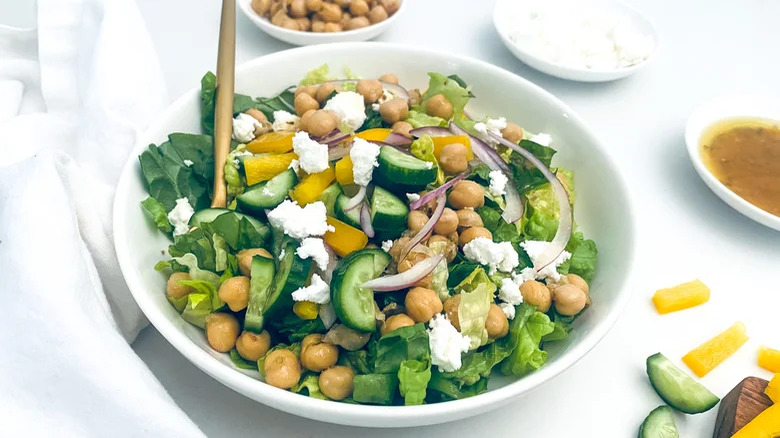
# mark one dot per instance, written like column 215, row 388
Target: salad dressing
column 744, row 154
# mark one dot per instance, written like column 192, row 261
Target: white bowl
column 728, row 107
column 300, row 38
column 603, row 212
column 505, row 13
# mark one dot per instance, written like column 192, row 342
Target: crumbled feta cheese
column 295, row 165
column 244, row 128
column 314, row 247
column 298, row 222
column 412, row 197
column 542, row 138
column 180, row 216
column 312, row 156
column 510, row 292
column 429, row 165
column 501, row 256
column 490, row 125
column 481, row 128
column 386, row 95
column 363, row 155
column 375, row 106
column 348, row 106
column 446, row 344
column 188, row 163
column 387, row 245
column 508, row 309
column 497, row 183
column 317, row 291
column 282, row 253
column 534, row 249
column 267, row 192
column 284, row 121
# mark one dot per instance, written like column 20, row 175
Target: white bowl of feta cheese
column 603, row 212
column 580, row 41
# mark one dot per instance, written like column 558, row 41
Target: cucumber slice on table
column 354, row 305
column 388, row 212
column 678, row 389
column 351, row 217
column 267, row 194
column 260, row 286
column 659, row 424
column 402, row 173
column 329, row 196
column 291, row 275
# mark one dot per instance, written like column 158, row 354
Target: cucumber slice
column 267, row 194
column 402, row 173
column 351, row 217
column 206, row 215
column 260, row 286
column 291, row 275
column 209, row 215
column 382, row 235
column 659, row 424
column 329, row 196
column 388, row 212
column 678, row 389
column 354, row 305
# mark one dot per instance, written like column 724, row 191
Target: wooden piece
column 223, row 113
column 741, row 405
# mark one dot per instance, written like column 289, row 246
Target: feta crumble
column 300, row 222
column 429, row 165
column 363, row 155
column 534, row 249
column 282, row 253
column 446, row 344
column 497, row 183
column 295, row 165
column 312, row 156
column 314, row 247
column 510, row 292
column 180, row 216
column 284, row 121
column 375, row 107
column 412, row 197
column 387, row 245
column 542, row 138
column 508, row 309
column 267, row 192
column 244, row 127
column 348, row 106
column 317, row 291
column 498, row 256
column 188, row 163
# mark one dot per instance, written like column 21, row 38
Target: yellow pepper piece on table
column 765, row 425
column 275, row 142
column 683, row 296
column 265, row 167
column 773, row 389
column 440, row 142
column 312, row 186
column 344, row 173
column 710, row 354
column 344, row 239
column 769, row 359
column 306, row 309
column 376, row 134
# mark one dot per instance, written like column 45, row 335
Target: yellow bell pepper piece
column 769, row 359
column 265, row 167
column 344, row 239
column 765, row 425
column 773, row 389
column 376, row 134
column 710, row 354
column 271, row 142
column 312, row 186
column 440, row 142
column 681, row 297
column 306, row 309
column 344, row 173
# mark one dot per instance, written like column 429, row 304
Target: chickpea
column 278, row 18
column 321, row 123
column 291, row 24
column 422, row 303
column 472, row 233
column 282, row 369
column 257, row 115
column 391, row 5
column 389, row 78
column 412, row 259
column 304, row 102
column 569, row 299
column 317, row 26
column 298, row 8
column 512, row 132
column 252, row 346
column 496, row 324
column 358, row 7
column 313, row 5
column 395, row 322
column 261, row 6
column 453, row 237
column 345, row 17
column 330, row 13
column 454, row 158
column 439, row 106
column 222, row 331
column 304, row 23
column 277, row 6
column 370, row 89
column 394, row 110
column 576, row 281
column 376, row 14
column 309, row 340
column 323, row 91
column 402, row 128
column 451, row 249
column 536, row 294
column 235, row 292
column 451, row 310
column 245, row 259
column 342, row 3
column 467, row 194
column 416, row 220
column 174, row 289
column 317, row 355
column 448, row 222
column 336, row 382
column 415, row 97
column 303, row 124
column 398, row 246
column 469, row 218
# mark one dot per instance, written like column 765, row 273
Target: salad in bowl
column 381, row 245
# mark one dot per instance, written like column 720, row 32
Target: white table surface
column 684, row 231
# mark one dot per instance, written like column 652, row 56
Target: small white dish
column 722, row 108
column 300, row 38
column 506, row 12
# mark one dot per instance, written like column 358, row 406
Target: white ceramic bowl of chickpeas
column 307, row 22
column 603, row 213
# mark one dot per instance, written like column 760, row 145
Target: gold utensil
column 223, row 114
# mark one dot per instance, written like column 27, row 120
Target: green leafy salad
column 379, row 244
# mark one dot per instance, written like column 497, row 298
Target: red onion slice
column 405, row 279
column 563, row 234
column 339, row 151
column 396, row 139
column 355, row 201
column 483, row 151
column 396, row 90
column 441, row 190
column 426, row 229
column 431, row 131
column 515, row 206
column 365, row 221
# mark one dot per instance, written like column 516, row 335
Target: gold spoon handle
column 223, row 114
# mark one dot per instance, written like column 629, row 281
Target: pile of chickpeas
column 325, row 15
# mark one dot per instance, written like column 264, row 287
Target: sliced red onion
column 515, row 206
column 441, row 190
column 483, row 151
column 365, row 221
column 396, row 90
column 355, row 201
column 405, row 279
column 427, row 229
column 431, row 131
column 334, row 140
column 339, row 151
column 563, row 234
column 396, row 139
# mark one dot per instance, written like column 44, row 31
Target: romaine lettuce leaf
column 440, row 272
column 208, row 99
column 418, row 119
column 196, row 273
column 422, row 148
column 584, row 256
column 309, row 385
column 197, row 309
column 237, row 231
column 542, row 212
column 373, row 120
column 198, row 243
column 459, row 272
column 236, row 181
column 240, row 362
column 528, row 327
column 158, row 214
column 449, row 389
column 377, row 389
column 450, row 88
column 178, row 303
column 220, row 252
column 476, row 292
column 359, row 360
column 293, row 329
column 478, row 364
column 405, row 343
column 317, row 76
column 413, row 376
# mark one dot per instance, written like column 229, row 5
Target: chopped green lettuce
column 441, row 272
column 418, row 119
column 158, row 214
column 457, row 95
column 584, row 256
column 359, row 360
column 529, row 327
column 197, row 309
column 309, row 385
column 413, row 376
column 236, row 182
column 191, row 262
column 376, row 389
column 198, row 243
column 220, row 252
column 477, row 365
column 476, row 296
column 293, row 329
column 238, row 231
column 422, row 148
column 208, row 100
column 240, row 362
column 178, row 303
column 373, row 120
column 450, row 389
column 317, row 76
column 542, row 213
column 405, row 343
column 207, row 288
column 459, row 272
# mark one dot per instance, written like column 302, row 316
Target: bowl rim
column 346, row 413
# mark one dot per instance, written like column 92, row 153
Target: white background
column 684, row 232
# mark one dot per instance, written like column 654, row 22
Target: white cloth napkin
column 73, row 95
